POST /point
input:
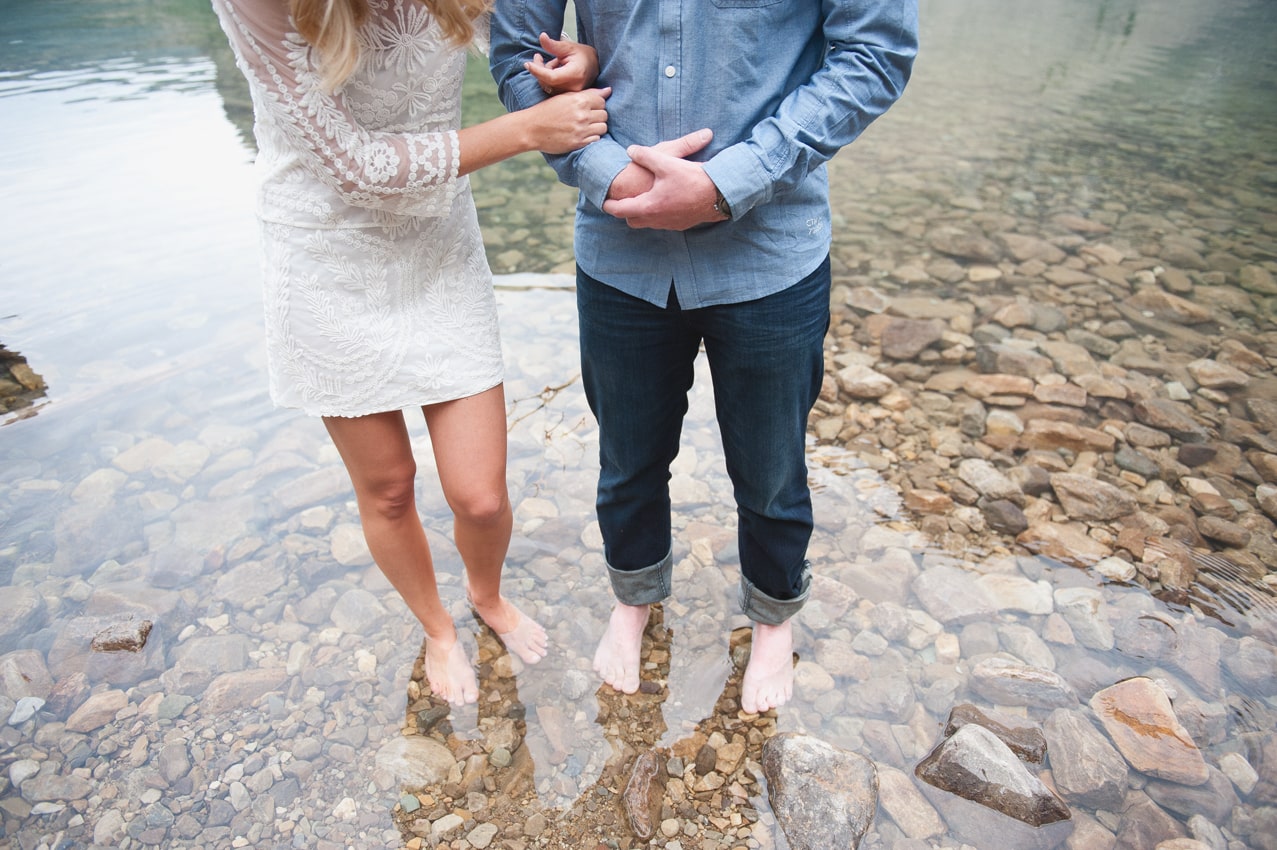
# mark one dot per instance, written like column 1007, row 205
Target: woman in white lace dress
column 377, row 293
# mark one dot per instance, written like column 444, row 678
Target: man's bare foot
column 769, row 676
column 617, row 658
column 449, row 672
column 520, row 633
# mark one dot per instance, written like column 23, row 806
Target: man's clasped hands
column 660, row 188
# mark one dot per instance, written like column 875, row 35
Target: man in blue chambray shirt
column 703, row 218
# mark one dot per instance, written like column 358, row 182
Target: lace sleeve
column 404, row 173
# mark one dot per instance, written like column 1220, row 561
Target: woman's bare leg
column 469, row 439
column 378, row 456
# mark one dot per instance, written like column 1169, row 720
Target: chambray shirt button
column 670, row 70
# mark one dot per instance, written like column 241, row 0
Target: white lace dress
column 377, row 292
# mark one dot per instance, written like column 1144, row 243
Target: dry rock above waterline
column 1022, row 736
column 823, row 797
column 21, row 387
column 976, row 765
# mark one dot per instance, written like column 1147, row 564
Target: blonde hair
column 332, row 28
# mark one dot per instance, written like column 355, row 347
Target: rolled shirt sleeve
column 871, row 48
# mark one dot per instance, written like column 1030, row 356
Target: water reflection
column 1135, row 140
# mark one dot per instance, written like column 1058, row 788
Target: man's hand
column 573, row 66
column 634, row 179
column 680, row 196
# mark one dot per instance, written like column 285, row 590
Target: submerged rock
column 1006, row 682
column 1084, row 765
column 1139, row 718
column 643, row 794
column 1144, row 824
column 415, row 760
column 904, row 804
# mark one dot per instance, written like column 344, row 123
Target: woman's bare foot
column 617, row 658
column 769, row 676
column 520, row 633
column 449, row 672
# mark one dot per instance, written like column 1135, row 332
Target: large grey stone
column 1086, row 767
column 952, row 595
column 1086, row 612
column 72, row 652
column 22, row 611
column 415, row 761
column 823, row 797
column 1007, row 682
column 23, row 673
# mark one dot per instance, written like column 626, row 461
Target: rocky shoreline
column 1140, row 414
column 1016, row 520
column 20, row 386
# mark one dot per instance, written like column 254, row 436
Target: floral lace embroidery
column 376, row 289
column 386, row 140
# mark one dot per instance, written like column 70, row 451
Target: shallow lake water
column 150, row 477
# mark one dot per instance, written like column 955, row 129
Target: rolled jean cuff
column 761, row 608
column 645, row 585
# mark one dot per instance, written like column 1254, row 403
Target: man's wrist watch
column 720, row 204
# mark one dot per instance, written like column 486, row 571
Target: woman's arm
column 559, row 124
column 407, row 173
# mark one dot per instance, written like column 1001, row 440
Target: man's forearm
column 516, row 26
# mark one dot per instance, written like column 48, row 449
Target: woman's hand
column 568, row 121
column 571, row 68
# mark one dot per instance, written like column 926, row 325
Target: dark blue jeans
column 766, row 361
